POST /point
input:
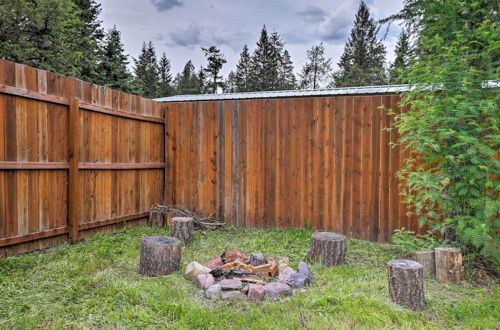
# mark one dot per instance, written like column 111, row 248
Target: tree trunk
column 329, row 247
column 156, row 219
column 160, row 255
column 426, row 259
column 182, row 228
column 406, row 283
column 449, row 267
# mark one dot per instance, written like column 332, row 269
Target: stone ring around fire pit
column 234, row 276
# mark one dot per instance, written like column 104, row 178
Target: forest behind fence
column 77, row 159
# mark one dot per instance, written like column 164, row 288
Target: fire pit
column 235, row 276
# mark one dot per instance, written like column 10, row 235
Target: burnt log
column 160, row 255
column 406, row 283
column 330, row 248
column 182, row 228
column 449, row 268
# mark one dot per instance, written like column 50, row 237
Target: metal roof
column 291, row 93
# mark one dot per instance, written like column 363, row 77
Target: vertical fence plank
column 74, row 200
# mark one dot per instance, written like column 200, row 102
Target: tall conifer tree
column 215, row 62
column 242, row 74
column 401, row 63
column 287, row 78
column 146, row 71
column 165, row 87
column 187, row 81
column 362, row 62
column 316, row 68
column 112, row 70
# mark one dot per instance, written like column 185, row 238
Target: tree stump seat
column 160, row 255
column 329, row 247
column 406, row 283
column 182, row 228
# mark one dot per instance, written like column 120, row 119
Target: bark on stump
column 182, row 228
column 329, row 247
column 160, row 255
column 426, row 259
column 449, row 267
column 406, row 283
column 156, row 219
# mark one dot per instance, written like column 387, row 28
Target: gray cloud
column 189, row 37
column 335, row 28
column 312, row 14
column 163, row 5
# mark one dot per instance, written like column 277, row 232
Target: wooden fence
column 291, row 162
column 75, row 158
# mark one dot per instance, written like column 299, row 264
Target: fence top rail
column 363, row 90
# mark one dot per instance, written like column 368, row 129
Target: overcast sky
column 180, row 27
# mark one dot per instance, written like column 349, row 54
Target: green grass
column 96, row 284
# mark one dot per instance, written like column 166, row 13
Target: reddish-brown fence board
column 323, row 161
column 115, row 175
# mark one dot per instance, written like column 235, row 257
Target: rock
column 274, row 290
column 255, row 292
column 215, row 263
column 213, row 292
column 303, row 268
column 256, row 259
column 204, row 281
column 194, row 269
column 298, row 281
column 283, row 267
column 231, row 255
column 285, row 275
column 231, row 284
column 231, row 294
column 278, row 260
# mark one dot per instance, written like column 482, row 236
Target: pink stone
column 231, row 284
column 204, row 281
column 215, row 263
column 255, row 292
column 278, row 260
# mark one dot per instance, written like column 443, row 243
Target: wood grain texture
column 322, row 161
column 114, row 143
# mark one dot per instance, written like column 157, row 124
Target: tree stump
column 406, row 283
column 449, row 267
column 182, row 228
column 426, row 259
column 160, row 255
column 329, row 247
column 156, row 218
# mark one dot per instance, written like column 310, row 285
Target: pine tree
column 201, row 81
column 43, row 34
column 401, row 63
column 146, row 71
column 165, row 87
column 316, row 68
column 215, row 62
column 230, row 85
column 287, row 78
column 112, row 70
column 262, row 72
column 90, row 38
column 187, row 81
column 242, row 74
column 362, row 62
column 276, row 60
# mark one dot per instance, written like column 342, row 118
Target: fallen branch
column 200, row 222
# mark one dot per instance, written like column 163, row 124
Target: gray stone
column 304, row 269
column 256, row 259
column 204, row 281
column 274, row 290
column 285, row 275
column 298, row 281
column 213, row 292
column 231, row 294
column 231, row 284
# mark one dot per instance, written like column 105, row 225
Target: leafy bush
column 451, row 122
column 411, row 242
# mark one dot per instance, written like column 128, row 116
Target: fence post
column 74, row 174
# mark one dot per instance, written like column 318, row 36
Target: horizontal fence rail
column 75, row 158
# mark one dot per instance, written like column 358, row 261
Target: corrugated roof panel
column 291, row 93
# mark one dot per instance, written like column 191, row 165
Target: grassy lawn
column 96, row 284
